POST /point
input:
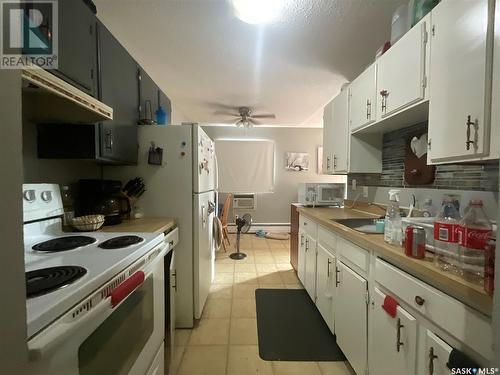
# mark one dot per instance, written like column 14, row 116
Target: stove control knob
column 47, row 196
column 29, row 195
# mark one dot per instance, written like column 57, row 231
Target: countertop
column 144, row 225
column 468, row 293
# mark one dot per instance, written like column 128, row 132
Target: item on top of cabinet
column 419, row 8
column 489, row 267
column 400, row 23
column 415, row 242
column 88, row 223
column 155, row 156
column 393, row 225
column 383, row 49
column 148, row 120
column 161, row 116
column 474, row 233
column 446, row 236
column 68, row 206
column 428, row 210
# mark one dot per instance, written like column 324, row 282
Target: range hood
column 48, row 98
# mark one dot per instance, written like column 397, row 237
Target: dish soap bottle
column 393, row 227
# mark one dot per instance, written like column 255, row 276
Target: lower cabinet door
column 301, row 261
column 310, row 274
column 437, row 353
column 394, row 342
column 325, row 285
column 351, row 317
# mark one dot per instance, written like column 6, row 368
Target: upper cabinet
column 118, row 82
column 337, row 135
column 401, row 72
column 362, row 99
column 343, row 153
column 460, row 74
column 77, row 46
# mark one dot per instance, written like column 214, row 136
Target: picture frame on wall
column 297, row 161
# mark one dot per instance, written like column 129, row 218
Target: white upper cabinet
column 363, row 99
column 335, row 135
column 401, row 72
column 460, row 75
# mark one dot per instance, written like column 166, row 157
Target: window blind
column 245, row 166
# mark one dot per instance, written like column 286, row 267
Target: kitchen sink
column 361, row 225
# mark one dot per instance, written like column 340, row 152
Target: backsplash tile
column 483, row 177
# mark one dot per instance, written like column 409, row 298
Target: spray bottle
column 393, row 232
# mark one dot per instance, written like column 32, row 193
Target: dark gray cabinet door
column 148, row 94
column 118, row 88
column 77, row 45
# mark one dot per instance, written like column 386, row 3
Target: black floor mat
column 290, row 328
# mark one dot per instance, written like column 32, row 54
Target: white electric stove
column 81, row 289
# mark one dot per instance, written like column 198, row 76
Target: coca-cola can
column 415, row 242
column 489, row 267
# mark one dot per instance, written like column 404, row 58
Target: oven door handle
column 81, row 327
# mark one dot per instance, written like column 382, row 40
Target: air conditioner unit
column 244, row 202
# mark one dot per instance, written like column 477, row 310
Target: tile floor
column 224, row 340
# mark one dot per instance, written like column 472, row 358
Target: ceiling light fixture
column 257, row 11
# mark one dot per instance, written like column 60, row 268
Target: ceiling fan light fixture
column 256, row 12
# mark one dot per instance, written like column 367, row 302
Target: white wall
column 13, row 355
column 275, row 207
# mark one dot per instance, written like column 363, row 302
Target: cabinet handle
column 337, row 278
column 419, row 300
column 328, row 267
column 328, row 163
column 334, row 162
column 368, row 109
column 399, row 344
column 470, row 123
column 301, row 240
column 384, row 94
column 174, row 276
column 432, row 357
column 307, row 244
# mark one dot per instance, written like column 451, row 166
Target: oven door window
column 116, row 344
column 327, row 194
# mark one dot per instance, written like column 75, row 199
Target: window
column 245, row 166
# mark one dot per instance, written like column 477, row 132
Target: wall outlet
column 365, row 191
column 354, row 185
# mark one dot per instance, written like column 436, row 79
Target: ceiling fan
column 245, row 116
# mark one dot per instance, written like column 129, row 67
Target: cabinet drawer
column 459, row 320
column 308, row 226
column 327, row 238
column 356, row 255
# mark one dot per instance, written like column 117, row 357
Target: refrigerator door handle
column 203, row 216
column 216, row 171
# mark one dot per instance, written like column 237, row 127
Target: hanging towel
column 390, row 306
column 459, row 359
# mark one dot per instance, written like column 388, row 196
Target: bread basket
column 88, row 223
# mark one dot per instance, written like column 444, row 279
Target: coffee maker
column 102, row 197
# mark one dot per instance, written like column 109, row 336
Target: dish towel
column 459, row 359
column 390, row 306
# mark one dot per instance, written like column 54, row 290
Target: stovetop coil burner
column 120, row 242
column 46, row 280
column 64, row 243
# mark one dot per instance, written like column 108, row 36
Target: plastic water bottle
column 393, row 231
column 475, row 231
column 446, row 237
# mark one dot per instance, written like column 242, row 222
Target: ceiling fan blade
column 264, row 115
column 226, row 113
column 253, row 121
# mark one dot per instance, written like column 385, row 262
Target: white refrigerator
column 184, row 188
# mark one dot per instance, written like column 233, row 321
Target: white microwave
column 321, row 194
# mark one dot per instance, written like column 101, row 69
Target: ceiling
column 200, row 54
